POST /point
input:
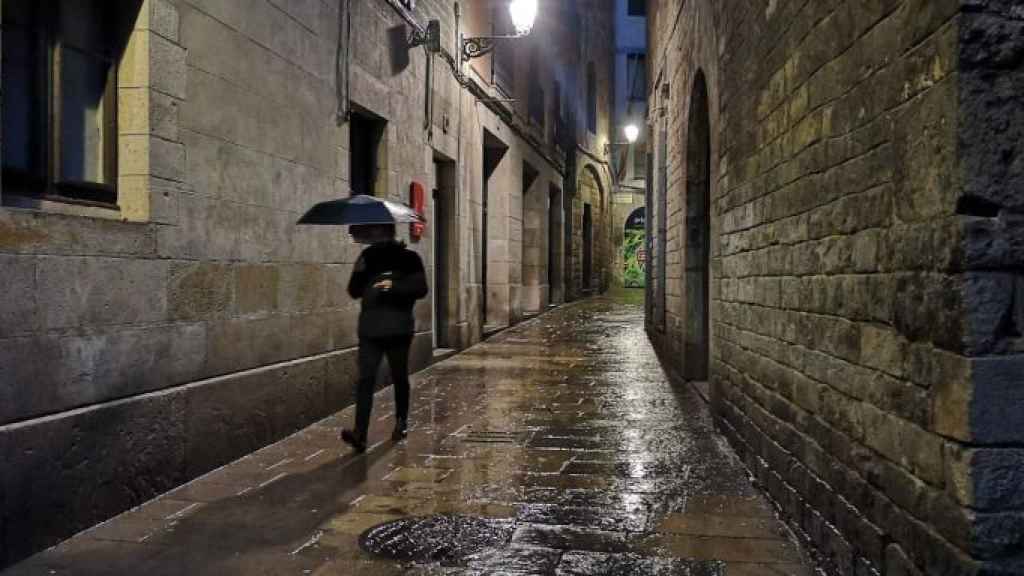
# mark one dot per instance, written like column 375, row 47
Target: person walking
column 389, row 279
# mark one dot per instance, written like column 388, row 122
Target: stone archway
column 634, row 251
column 589, row 257
column 697, row 258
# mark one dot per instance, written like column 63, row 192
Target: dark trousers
column 370, row 353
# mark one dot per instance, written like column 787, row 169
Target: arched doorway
column 588, row 242
column 634, row 252
column 697, row 281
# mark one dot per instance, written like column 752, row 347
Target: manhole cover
column 434, row 538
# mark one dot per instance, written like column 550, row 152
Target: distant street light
column 632, row 132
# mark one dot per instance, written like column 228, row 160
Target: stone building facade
column 162, row 314
column 630, row 108
column 840, row 188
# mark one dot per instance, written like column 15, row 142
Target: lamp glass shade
column 523, row 13
column 632, row 132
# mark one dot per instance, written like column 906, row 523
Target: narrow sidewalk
column 557, row 447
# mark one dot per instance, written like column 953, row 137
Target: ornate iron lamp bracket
column 477, row 46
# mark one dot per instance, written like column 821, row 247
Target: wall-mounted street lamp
column 631, row 132
column 523, row 13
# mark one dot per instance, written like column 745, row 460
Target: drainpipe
column 342, row 63
column 459, row 163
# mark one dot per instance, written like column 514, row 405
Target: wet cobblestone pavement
column 560, row 441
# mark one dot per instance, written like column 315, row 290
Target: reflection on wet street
column 557, row 447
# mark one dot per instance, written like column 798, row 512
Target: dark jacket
column 387, row 313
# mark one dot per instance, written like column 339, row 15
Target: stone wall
column 986, row 464
column 865, row 257
column 143, row 347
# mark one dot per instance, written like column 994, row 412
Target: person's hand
column 383, row 285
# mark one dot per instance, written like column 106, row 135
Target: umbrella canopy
column 360, row 209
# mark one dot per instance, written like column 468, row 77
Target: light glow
column 523, row 13
column 632, row 132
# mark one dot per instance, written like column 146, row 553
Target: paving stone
column 518, row 559
column 620, row 520
column 724, row 526
column 571, row 538
column 355, row 523
column 597, row 564
column 753, row 550
column 418, row 475
column 751, row 506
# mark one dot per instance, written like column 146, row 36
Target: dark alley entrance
column 445, row 232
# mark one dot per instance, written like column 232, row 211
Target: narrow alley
column 559, row 446
column 692, row 287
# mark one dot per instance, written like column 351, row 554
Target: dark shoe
column 354, row 440
column 401, row 430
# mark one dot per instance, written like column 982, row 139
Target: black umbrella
column 360, row 209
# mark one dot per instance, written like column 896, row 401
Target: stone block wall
column 986, row 465
column 142, row 347
column 865, row 316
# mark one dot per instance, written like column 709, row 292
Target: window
column 503, row 61
column 367, row 153
column 639, row 163
column 591, row 98
column 636, row 76
column 557, row 113
column 59, row 74
column 637, row 8
column 536, row 95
